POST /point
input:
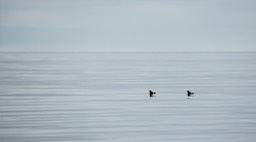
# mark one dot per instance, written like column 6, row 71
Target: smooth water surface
column 103, row 97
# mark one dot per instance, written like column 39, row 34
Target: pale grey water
column 94, row 97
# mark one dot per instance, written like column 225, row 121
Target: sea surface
column 104, row 97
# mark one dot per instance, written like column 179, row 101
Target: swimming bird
column 190, row 93
column 151, row 93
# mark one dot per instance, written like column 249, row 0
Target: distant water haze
column 127, row 25
column 104, row 97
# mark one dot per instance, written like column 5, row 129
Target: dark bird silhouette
column 190, row 93
column 151, row 93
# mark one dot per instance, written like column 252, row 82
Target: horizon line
column 126, row 51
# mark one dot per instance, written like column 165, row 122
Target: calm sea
column 103, row 97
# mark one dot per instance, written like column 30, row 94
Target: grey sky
column 127, row 25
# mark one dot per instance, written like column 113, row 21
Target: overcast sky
column 127, row 25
